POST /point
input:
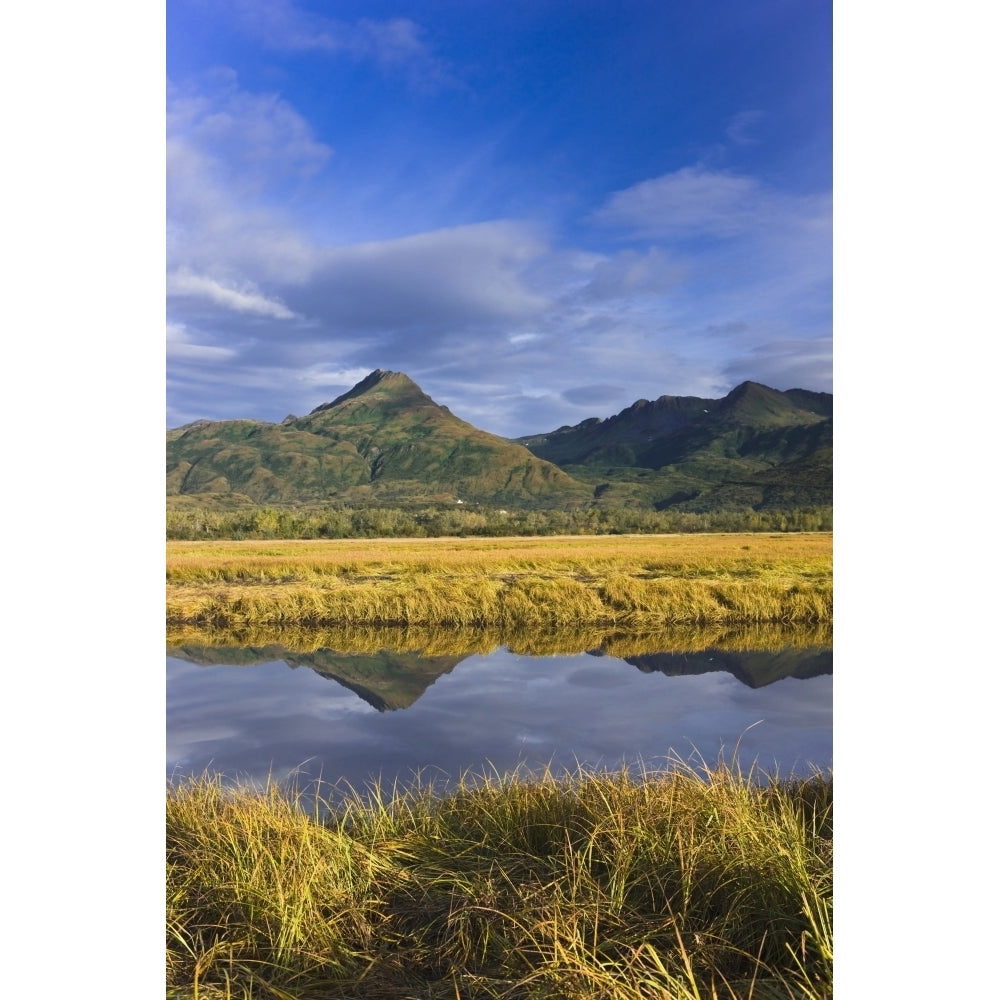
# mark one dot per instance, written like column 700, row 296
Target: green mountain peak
column 381, row 384
column 383, row 440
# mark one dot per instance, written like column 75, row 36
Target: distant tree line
column 435, row 522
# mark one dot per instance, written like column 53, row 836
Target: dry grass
column 673, row 884
column 636, row 582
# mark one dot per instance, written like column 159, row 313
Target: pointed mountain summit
column 389, row 387
column 383, row 440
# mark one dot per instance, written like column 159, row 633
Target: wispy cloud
column 251, row 140
column 323, row 376
column 748, row 253
column 698, row 202
column 631, row 273
column 229, row 155
column 180, row 345
column 742, row 128
column 395, row 45
column 245, row 297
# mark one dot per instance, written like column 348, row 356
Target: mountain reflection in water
column 598, row 700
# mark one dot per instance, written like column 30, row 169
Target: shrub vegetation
column 188, row 520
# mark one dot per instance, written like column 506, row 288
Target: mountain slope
column 385, row 439
column 757, row 447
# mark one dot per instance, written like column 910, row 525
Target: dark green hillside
column 804, row 482
column 385, row 440
column 618, row 439
column 820, row 403
column 755, row 448
column 752, row 423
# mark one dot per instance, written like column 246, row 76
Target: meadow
column 631, row 582
column 672, row 883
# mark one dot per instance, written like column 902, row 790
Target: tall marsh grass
column 637, row 582
column 676, row 883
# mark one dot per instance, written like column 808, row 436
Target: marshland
column 634, row 581
column 517, row 811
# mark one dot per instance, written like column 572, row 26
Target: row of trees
column 433, row 522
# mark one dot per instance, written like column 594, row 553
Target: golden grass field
column 632, row 582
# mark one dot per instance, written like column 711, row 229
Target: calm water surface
column 356, row 717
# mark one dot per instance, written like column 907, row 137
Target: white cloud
column 180, row 346
column 630, row 273
column 323, row 376
column 245, row 297
column 697, row 202
column 249, row 140
column 746, row 256
column 392, row 45
column 690, row 201
column 228, row 153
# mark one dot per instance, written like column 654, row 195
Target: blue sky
column 540, row 211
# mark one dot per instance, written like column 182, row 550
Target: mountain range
column 386, row 441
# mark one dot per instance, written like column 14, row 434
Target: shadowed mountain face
column 387, row 441
column 389, row 681
column 756, row 447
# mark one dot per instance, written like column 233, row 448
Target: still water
column 354, row 717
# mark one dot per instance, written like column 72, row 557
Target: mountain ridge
column 386, row 440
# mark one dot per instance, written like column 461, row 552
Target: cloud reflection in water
column 497, row 710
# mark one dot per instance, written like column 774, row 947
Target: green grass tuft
column 678, row 883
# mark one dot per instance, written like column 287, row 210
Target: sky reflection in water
column 497, row 710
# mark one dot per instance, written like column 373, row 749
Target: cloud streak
column 697, row 202
column 245, row 298
column 395, row 45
